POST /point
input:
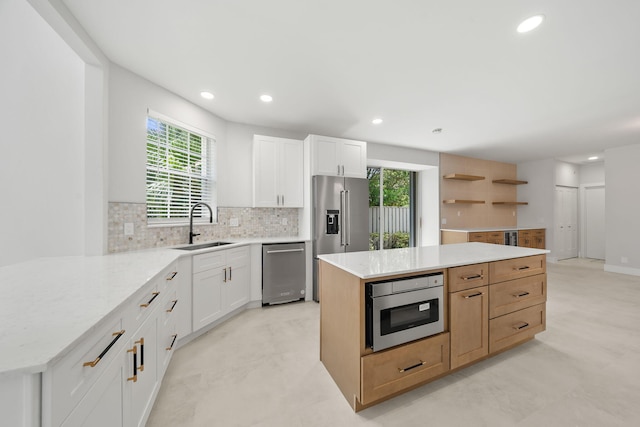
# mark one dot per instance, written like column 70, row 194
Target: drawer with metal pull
column 510, row 329
column 71, row 377
column 514, row 295
column 390, row 371
column 468, row 276
column 510, row 269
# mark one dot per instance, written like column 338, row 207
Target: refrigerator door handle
column 343, row 202
column 346, row 225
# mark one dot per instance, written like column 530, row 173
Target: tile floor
column 262, row 368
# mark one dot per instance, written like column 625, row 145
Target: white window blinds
column 179, row 172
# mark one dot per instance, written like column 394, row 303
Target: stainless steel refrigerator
column 340, row 218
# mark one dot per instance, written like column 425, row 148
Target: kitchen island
column 494, row 299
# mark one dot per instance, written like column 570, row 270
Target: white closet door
column 566, row 241
column 594, row 222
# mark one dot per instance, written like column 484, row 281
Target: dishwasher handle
column 281, row 251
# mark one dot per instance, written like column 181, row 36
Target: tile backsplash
column 252, row 222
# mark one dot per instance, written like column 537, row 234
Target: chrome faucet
column 191, row 233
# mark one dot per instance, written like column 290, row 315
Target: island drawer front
column 514, row 295
column 515, row 268
column 209, row 260
column 478, row 237
column 513, row 328
column 468, row 276
column 72, row 376
column 391, row 371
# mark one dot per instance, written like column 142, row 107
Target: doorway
column 391, row 208
column 566, row 222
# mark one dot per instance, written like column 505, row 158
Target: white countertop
column 367, row 265
column 50, row 304
column 480, row 229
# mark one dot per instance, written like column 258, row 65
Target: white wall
column 592, row 173
column 540, row 193
column 130, row 97
column 622, row 176
column 567, row 174
column 42, row 82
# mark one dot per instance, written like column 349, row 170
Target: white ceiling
column 570, row 87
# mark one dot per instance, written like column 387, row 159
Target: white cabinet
column 111, row 378
column 338, row 157
column 277, row 172
column 221, row 284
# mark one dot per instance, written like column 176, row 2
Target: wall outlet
column 444, row 221
column 128, row 229
column 624, row 260
column 233, row 222
column 459, row 213
column 514, row 213
column 285, row 221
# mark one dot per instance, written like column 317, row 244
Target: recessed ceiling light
column 437, row 130
column 266, row 98
column 593, row 158
column 206, row 95
column 530, row 23
column 376, row 121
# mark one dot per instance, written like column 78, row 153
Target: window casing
column 180, row 172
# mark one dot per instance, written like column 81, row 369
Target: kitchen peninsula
column 494, row 298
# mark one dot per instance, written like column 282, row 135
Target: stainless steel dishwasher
column 283, row 272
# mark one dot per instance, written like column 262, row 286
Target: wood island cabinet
column 529, row 238
column 490, row 307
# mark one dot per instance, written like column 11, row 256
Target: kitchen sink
column 203, row 246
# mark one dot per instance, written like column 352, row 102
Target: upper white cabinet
column 277, row 172
column 338, row 157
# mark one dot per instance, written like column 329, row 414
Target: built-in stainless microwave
column 404, row 310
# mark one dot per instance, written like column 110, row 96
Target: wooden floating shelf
column 463, row 177
column 510, row 181
column 452, row 201
column 510, row 203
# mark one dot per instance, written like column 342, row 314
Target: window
column 391, row 208
column 180, row 171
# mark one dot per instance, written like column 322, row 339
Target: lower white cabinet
column 221, row 284
column 142, row 379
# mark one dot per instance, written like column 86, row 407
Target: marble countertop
column 479, row 229
column 48, row 305
column 373, row 264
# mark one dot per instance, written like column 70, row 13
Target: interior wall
column 130, row 98
column 42, row 81
column 622, row 176
column 592, row 173
column 540, row 194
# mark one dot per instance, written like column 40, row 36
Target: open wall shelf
column 509, row 181
column 452, row 201
column 510, row 203
column 463, row 177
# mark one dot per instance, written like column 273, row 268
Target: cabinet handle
column 230, row 278
column 155, row 294
column 225, row 275
column 338, row 169
column 526, row 267
column 524, row 325
column 173, row 341
column 283, row 200
column 477, row 294
column 521, row 294
column 412, row 367
column 171, row 275
column 277, row 200
column 117, row 336
column 134, row 350
column 475, row 276
column 175, row 301
column 141, row 342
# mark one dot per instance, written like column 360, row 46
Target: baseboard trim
column 622, row 270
